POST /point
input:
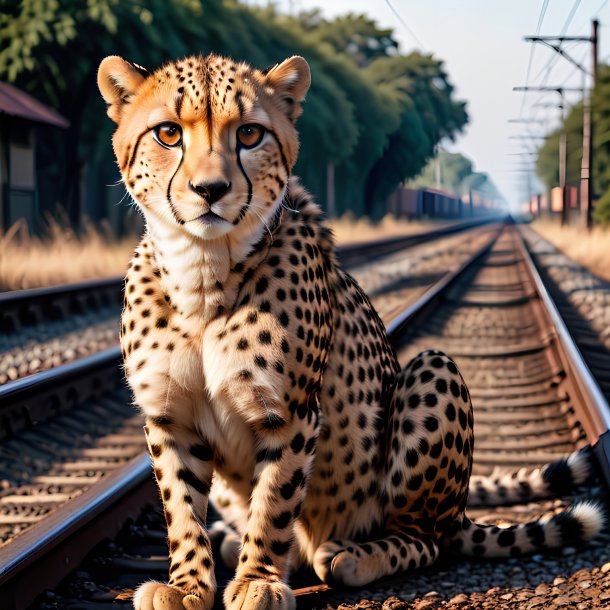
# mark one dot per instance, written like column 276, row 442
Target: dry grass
column 349, row 229
column 60, row 257
column 590, row 249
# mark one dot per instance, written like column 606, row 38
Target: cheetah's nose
column 211, row 191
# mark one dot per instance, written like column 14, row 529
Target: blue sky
column 481, row 43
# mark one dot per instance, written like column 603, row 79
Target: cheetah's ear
column 290, row 81
column 118, row 80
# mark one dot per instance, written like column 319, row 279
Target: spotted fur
column 551, row 480
column 267, row 378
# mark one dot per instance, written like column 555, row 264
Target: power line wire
column 553, row 60
column 566, row 25
column 548, row 67
column 544, row 6
column 550, row 64
column 594, row 14
column 404, row 24
column 569, row 76
column 601, row 7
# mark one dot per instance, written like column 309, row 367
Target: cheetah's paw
column 258, row 595
column 336, row 564
column 158, row 596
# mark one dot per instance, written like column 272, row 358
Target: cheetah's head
column 205, row 144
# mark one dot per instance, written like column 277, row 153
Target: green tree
column 52, row 50
column 354, row 35
column 547, row 164
column 374, row 114
column 453, row 168
column 418, row 87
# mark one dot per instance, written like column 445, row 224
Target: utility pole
column 586, row 169
column 563, row 166
column 563, row 140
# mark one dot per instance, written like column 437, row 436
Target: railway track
column 583, row 301
column 90, row 432
column 440, row 314
column 43, row 328
column 46, row 465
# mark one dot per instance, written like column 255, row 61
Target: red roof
column 15, row 102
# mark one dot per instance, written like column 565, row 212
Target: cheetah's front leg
column 284, row 460
column 183, row 468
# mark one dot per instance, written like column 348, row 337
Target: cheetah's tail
column 551, row 480
column 574, row 526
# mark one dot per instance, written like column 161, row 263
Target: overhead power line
column 405, row 25
column 545, row 4
column 543, row 8
column 570, row 16
column 554, row 58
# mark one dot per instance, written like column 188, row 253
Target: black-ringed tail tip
column 574, row 526
column 551, row 480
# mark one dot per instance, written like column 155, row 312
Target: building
column 20, row 117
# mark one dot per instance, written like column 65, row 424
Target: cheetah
column 266, row 377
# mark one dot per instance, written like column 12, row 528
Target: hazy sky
column 481, row 43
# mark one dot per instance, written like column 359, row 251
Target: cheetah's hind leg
column 354, row 564
column 427, row 468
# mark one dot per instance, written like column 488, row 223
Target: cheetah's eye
column 250, row 136
column 168, row 134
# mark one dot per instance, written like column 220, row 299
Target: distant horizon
column 485, row 79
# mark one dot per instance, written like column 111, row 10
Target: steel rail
column 354, row 254
column 595, row 418
column 58, row 543
column 427, row 300
column 28, row 295
column 21, row 309
column 39, row 396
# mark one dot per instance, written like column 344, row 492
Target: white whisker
column 289, row 208
column 126, row 194
column 266, row 225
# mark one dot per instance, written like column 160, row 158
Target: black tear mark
column 132, row 159
column 244, row 208
column 169, row 194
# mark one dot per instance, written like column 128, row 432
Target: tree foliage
column 547, row 165
column 419, row 88
column 355, row 35
column 451, row 168
column 456, row 173
column 373, row 113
